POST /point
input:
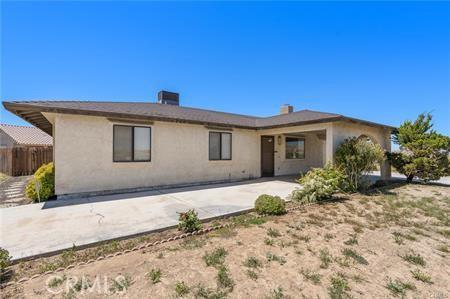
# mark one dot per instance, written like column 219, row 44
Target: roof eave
column 33, row 114
column 15, row 107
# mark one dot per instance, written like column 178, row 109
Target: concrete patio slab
column 56, row 225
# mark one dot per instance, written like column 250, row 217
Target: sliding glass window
column 131, row 144
column 219, row 146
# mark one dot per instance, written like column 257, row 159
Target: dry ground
column 391, row 243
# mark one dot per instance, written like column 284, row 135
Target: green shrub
column 270, row 205
column 189, row 221
column 423, row 153
column 5, row 259
column 319, row 184
column 356, row 157
column 181, row 289
column 216, row 257
column 46, row 176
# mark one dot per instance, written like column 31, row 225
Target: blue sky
column 384, row 61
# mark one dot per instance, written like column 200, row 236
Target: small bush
column 276, row 294
column 46, row 176
column 339, row 287
column 419, row 275
column 215, row 258
column 5, row 259
column 56, row 282
column 252, row 274
column 318, row 184
column 189, row 222
column 269, row 242
column 223, row 279
column 325, row 258
column 270, row 205
column 309, row 275
column 273, row 257
column 252, row 262
column 154, row 275
column 181, row 289
column 121, row 284
column 352, row 240
column 355, row 256
column 274, row 233
column 415, row 259
column 398, row 287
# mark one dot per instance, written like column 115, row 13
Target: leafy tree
column 424, row 153
column 356, row 157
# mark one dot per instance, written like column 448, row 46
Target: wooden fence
column 24, row 160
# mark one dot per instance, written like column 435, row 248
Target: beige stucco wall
column 313, row 155
column 83, row 156
column 83, row 153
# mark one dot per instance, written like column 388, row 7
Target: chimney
column 286, row 109
column 168, row 98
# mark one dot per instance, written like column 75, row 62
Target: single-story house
column 102, row 146
column 23, row 149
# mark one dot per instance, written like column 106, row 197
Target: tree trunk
column 409, row 178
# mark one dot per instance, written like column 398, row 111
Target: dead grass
column 342, row 249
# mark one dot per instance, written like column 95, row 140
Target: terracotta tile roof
column 155, row 111
column 23, row 135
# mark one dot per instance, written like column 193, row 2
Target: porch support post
column 329, row 148
column 385, row 168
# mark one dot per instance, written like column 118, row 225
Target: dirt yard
column 391, row 243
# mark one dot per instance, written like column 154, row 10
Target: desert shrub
column 216, row 257
column 46, row 176
column 319, row 184
column 424, row 153
column 356, row 157
column 5, row 259
column 189, row 221
column 270, row 205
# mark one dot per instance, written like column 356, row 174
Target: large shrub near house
column 319, row 184
column 423, row 152
column 46, row 176
column 356, row 157
column 270, row 205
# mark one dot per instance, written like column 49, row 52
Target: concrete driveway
column 55, row 225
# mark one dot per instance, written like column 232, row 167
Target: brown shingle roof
column 23, row 135
column 30, row 110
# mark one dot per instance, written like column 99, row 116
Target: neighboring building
column 23, row 149
column 23, row 136
column 103, row 146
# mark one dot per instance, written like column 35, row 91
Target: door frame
column 273, row 152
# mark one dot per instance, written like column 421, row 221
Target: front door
column 267, row 155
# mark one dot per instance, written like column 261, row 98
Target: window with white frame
column 295, row 148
